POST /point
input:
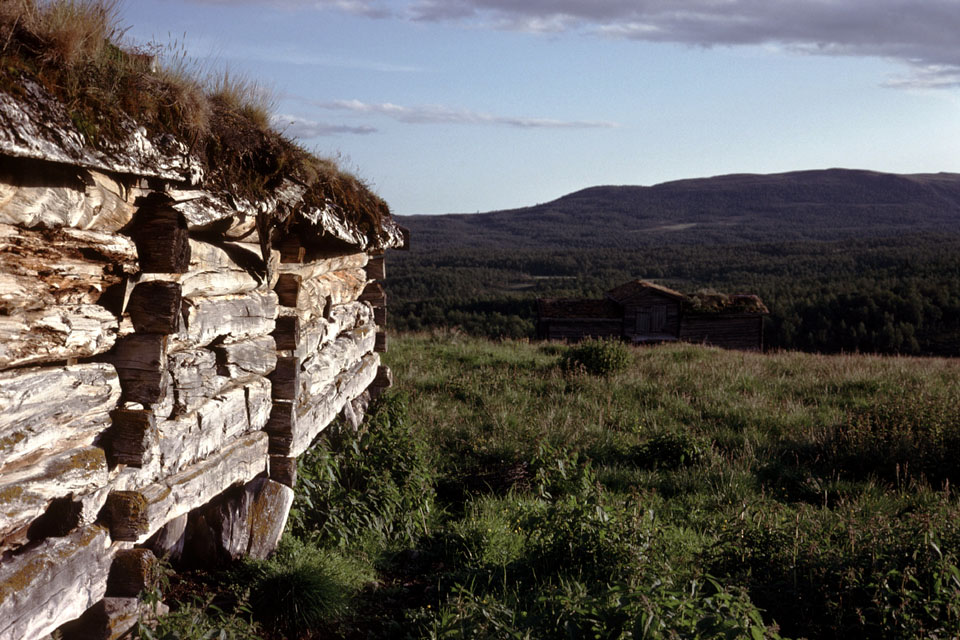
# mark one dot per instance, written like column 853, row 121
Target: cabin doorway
column 651, row 319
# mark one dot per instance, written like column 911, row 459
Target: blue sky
column 449, row 106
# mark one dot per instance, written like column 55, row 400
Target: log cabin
column 642, row 312
column 173, row 336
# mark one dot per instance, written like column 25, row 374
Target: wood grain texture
column 244, row 359
column 293, row 427
column 320, row 369
column 52, row 409
column 232, row 413
column 54, row 582
column 141, row 363
column 223, row 268
column 161, row 235
column 42, row 194
column 233, row 317
column 27, row 493
column 47, row 267
column 154, row 307
column 56, row 334
column 136, row 515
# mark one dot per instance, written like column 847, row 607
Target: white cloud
column 438, row 114
column 922, row 34
column 303, row 128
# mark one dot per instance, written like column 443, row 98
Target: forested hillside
column 845, row 260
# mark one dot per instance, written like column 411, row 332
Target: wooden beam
column 287, row 333
column 233, row 412
column 54, row 582
column 154, row 307
column 291, row 251
column 52, row 267
column 234, row 317
column 374, row 294
column 51, row 409
column 140, row 361
column 135, row 515
column 55, row 334
column 162, row 238
column 131, row 437
column 284, row 470
column 286, row 378
column 288, row 289
column 240, row 360
column 27, row 493
column 376, row 268
column 131, row 573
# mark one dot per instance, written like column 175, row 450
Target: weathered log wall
column 159, row 375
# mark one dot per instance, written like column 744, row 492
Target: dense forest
column 834, row 280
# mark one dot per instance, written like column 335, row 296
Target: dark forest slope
column 828, row 205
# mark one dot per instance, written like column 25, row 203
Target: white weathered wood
column 319, row 331
column 234, row 412
column 320, row 369
column 64, row 198
column 197, row 375
column 53, row 409
column 324, row 263
column 316, row 295
column 40, row 268
column 136, row 515
column 54, row 582
column 194, row 377
column 56, row 334
column 34, row 124
column 293, row 428
column 221, row 270
column 245, row 358
column 234, row 317
column 26, row 493
column 141, row 363
column 108, row 619
column 244, row 522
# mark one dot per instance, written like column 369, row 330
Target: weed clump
column 596, row 356
column 302, row 587
column 375, row 486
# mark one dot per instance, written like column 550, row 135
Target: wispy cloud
column 919, row 33
column 303, row 128
column 438, row 114
column 368, row 8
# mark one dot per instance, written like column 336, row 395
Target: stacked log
column 161, row 368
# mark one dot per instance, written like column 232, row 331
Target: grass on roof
column 75, row 49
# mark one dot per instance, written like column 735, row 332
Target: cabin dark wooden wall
column 739, row 331
column 649, row 299
column 573, row 329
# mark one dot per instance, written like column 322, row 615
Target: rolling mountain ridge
column 831, row 204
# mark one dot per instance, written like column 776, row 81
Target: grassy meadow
column 532, row 490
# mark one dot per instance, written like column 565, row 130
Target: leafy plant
column 302, row 587
column 377, row 483
column 597, row 356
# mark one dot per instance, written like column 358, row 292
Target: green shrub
column 302, row 587
column 376, row 486
column 596, row 356
column 671, row 450
column 201, row 619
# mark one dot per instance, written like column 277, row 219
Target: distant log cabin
column 643, row 312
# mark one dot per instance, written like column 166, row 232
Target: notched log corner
column 161, row 235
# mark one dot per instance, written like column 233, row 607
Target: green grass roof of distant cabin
column 72, row 48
